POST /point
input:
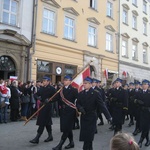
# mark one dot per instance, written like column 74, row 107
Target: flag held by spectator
column 106, row 73
column 78, row 81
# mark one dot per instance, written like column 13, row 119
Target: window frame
column 55, row 22
column 136, row 51
column 111, row 42
column 134, row 16
column 126, row 19
column 146, row 56
column 10, row 13
column 126, row 47
column 95, row 35
column 110, row 14
column 144, row 27
column 74, row 28
column 144, row 7
column 93, row 2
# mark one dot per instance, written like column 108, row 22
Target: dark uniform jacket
column 44, row 117
column 67, row 113
column 143, row 99
column 120, row 102
column 89, row 101
column 131, row 93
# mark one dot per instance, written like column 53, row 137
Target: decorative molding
column 71, row 10
column 14, row 37
column 135, row 12
column 52, row 3
column 109, row 27
column 121, row 62
column 135, row 40
column 125, row 35
column 145, row 19
column 126, row 6
column 93, row 20
column 145, row 44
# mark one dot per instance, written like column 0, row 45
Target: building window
column 134, row 52
column 134, row 22
column 144, row 27
column 93, row 4
column 144, row 6
column 69, row 31
column 134, row 2
column 144, row 55
column 109, row 9
column 92, row 36
column 48, row 22
column 109, row 42
column 125, row 16
column 124, row 48
column 10, row 11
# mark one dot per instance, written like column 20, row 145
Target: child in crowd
column 123, row 141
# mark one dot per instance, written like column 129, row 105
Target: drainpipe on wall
column 33, row 39
column 119, row 39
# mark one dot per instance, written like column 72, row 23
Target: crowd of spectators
column 18, row 100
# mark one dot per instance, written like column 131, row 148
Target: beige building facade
column 69, row 33
column 134, row 57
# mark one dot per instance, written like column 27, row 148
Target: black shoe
column 111, row 128
column 36, row 139
column 70, row 145
column 101, row 123
column 140, row 145
column 147, row 143
column 50, row 138
column 76, row 127
column 96, row 131
column 135, row 132
column 59, row 146
column 131, row 123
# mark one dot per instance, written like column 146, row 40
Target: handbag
column 25, row 99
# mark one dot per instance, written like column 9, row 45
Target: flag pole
column 50, row 99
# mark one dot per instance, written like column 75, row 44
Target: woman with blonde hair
column 123, row 141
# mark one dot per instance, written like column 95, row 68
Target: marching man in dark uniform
column 120, row 103
column 87, row 103
column 67, row 97
column 137, row 109
column 131, row 103
column 143, row 99
column 44, row 118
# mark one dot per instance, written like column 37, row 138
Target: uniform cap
column 145, row 81
column 119, row 80
column 94, row 80
column 88, row 79
column 137, row 82
column 131, row 83
column 68, row 77
column 46, row 78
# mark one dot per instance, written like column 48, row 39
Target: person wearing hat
column 143, row 99
column 44, row 118
column 95, row 87
column 66, row 99
column 120, row 103
column 87, row 102
column 136, row 109
column 131, row 103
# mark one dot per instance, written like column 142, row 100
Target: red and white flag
column 106, row 73
column 12, row 78
column 78, row 81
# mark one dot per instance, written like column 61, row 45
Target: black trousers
column 41, row 129
column 14, row 114
column 68, row 135
column 87, row 145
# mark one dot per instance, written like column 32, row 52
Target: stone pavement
column 15, row 136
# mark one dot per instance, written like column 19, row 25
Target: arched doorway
column 7, row 67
